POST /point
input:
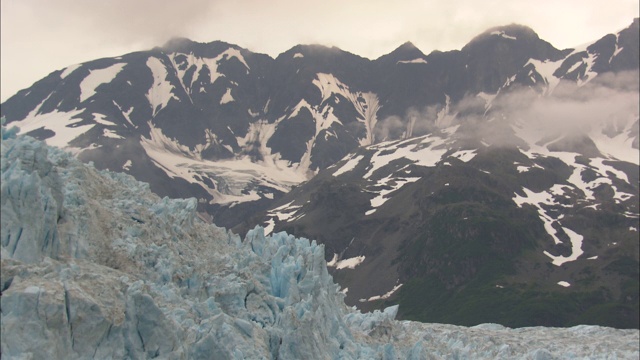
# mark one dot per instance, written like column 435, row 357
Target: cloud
column 390, row 128
column 121, row 21
column 415, row 122
column 609, row 97
column 610, row 102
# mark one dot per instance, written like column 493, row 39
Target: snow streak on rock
column 96, row 78
column 161, row 90
column 235, row 179
column 61, row 123
column 365, row 103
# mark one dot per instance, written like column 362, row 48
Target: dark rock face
column 487, row 175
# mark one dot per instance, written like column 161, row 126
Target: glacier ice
column 96, row 266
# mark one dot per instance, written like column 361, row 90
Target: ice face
column 96, row 266
column 31, row 188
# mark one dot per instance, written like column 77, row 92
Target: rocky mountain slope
column 523, row 201
column 96, row 266
column 505, row 172
column 236, row 128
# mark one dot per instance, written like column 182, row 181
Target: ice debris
column 96, row 266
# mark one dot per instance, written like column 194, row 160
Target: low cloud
column 607, row 98
column 390, row 128
column 609, row 101
column 122, row 21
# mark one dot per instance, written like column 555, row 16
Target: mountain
column 522, row 200
column 505, row 172
column 96, row 266
column 208, row 120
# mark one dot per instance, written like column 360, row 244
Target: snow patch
column 68, row 70
column 576, row 249
column 383, row 296
column 522, row 168
column 425, row 151
column 270, row 225
column 161, row 90
column 126, row 114
column 286, row 212
column 545, row 198
column 349, row 165
column 62, row 124
column 464, row 155
column 111, row 134
column 381, row 198
column 546, row 69
column 226, row 98
column 97, row 77
column 414, row 61
column 503, row 34
column 350, row 263
column 101, row 119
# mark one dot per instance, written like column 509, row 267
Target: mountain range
column 495, row 183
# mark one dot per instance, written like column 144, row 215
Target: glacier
column 96, row 266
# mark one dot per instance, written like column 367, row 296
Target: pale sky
column 41, row 36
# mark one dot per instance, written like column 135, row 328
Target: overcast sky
column 41, row 36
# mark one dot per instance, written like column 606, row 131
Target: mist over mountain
column 495, row 183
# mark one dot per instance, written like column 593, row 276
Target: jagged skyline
column 39, row 37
